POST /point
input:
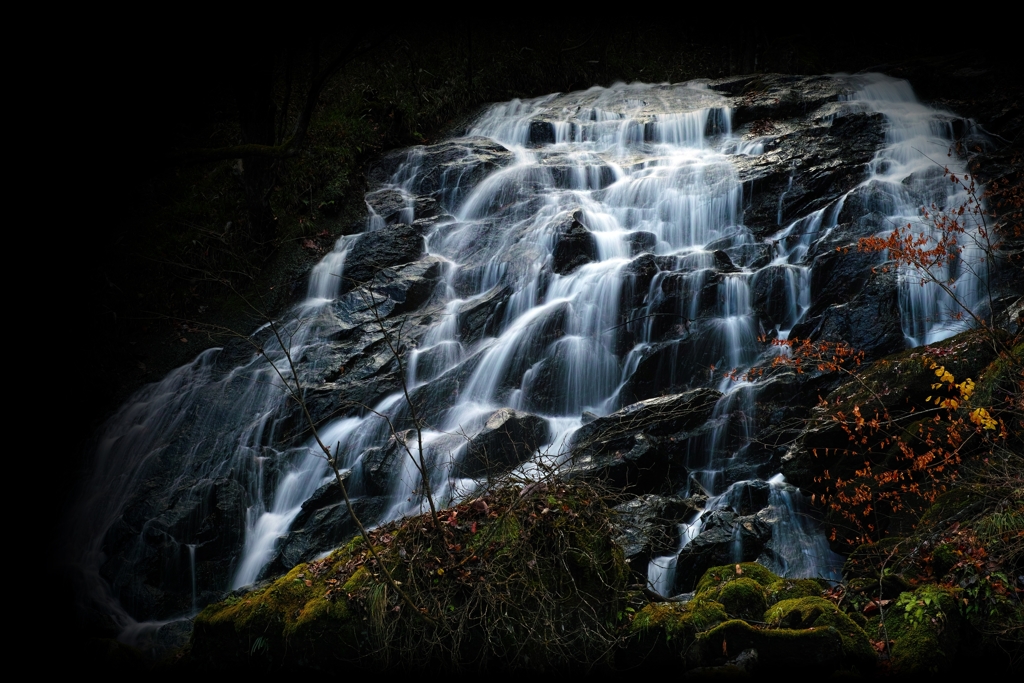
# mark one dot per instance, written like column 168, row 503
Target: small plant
column 921, row 609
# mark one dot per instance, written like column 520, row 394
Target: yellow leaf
column 980, row 417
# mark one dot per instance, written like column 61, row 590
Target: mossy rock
column 521, row 561
column 787, row 589
column 743, row 598
column 718, row 576
column 998, row 378
column 816, row 613
column 667, row 630
column 813, row 650
column 924, row 630
column 288, row 616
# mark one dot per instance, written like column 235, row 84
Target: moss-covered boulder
column 924, row 630
column 817, row 613
column 811, row 650
column 743, row 598
column 525, row 578
column 729, row 615
column 298, row 619
column 786, row 589
column 665, row 632
column 716, row 577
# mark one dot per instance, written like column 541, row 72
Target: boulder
column 324, row 529
column 508, row 438
column 394, row 206
column 647, row 526
column 657, row 416
column 641, row 242
column 869, row 322
column 726, row 537
column 574, row 245
column 467, row 159
column 723, row 263
column 379, row 249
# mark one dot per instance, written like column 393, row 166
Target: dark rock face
column 629, row 447
column 870, row 321
column 375, row 251
column 481, row 317
column 575, row 245
column 641, row 242
column 808, row 167
column 726, row 538
column 457, row 164
column 647, row 526
column 509, row 437
column 392, row 206
column 723, row 262
column 323, row 527
column 145, row 553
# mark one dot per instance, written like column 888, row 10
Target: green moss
column 810, row 632
column 812, row 649
column 716, row 576
column 507, row 575
column 998, row 378
column 786, row 589
column 924, row 629
column 816, row 613
column 743, row 598
column 671, row 629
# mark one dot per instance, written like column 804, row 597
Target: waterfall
column 646, row 177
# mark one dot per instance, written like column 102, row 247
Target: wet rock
column 641, row 242
column 481, row 316
column 678, row 365
column 575, row 245
column 648, row 527
column 657, row 416
column 326, row 528
column 838, row 277
column 635, row 446
column 381, row 463
column 637, row 276
column 385, row 248
column 726, row 537
column 812, row 166
column 747, row 497
column 394, row 206
column 453, row 165
column 723, row 263
column 541, row 133
column 628, row 462
column 328, row 494
column 870, row 322
column 509, row 438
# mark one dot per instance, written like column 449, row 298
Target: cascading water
column 612, row 232
column 910, row 166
